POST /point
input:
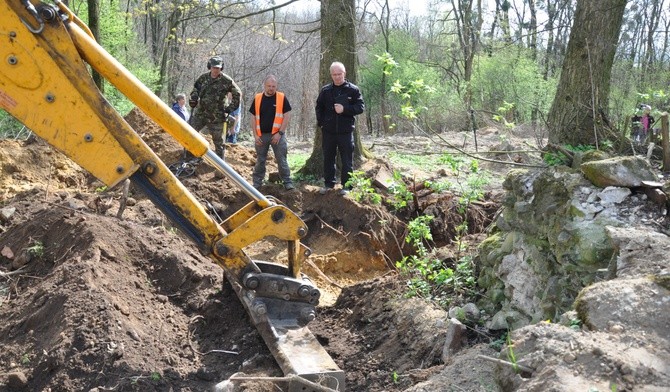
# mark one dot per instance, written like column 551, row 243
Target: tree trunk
column 578, row 113
column 94, row 26
column 384, row 24
column 469, row 23
column 168, row 52
column 532, row 29
column 338, row 43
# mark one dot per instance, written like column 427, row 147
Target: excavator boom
column 45, row 84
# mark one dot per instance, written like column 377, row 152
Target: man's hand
column 339, row 108
column 193, row 102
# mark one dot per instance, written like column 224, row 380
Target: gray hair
column 180, row 96
column 270, row 77
column 337, row 64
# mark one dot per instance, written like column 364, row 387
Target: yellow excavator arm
column 46, row 85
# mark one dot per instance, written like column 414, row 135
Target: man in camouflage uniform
column 209, row 95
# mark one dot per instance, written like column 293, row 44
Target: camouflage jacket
column 212, row 94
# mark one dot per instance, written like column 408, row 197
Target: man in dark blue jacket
column 336, row 106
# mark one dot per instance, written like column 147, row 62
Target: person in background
column 209, row 95
column 336, row 106
column 271, row 114
column 642, row 124
column 179, row 106
column 234, row 122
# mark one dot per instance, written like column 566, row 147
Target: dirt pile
column 93, row 302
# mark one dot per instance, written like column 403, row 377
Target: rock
column 7, row 252
column 554, row 239
column 455, row 340
column 633, row 303
column 6, row 214
column 16, row 380
column 624, row 171
column 613, row 195
column 384, row 178
column 22, row 259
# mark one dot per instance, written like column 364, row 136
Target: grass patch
column 296, row 160
column 428, row 162
column 10, row 128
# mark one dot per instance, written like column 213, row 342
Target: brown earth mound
column 91, row 302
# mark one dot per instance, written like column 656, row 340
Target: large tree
column 338, row 43
column 578, row 114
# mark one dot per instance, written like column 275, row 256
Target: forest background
column 449, row 67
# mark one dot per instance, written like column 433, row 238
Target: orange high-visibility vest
column 279, row 113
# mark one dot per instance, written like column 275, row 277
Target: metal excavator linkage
column 46, row 85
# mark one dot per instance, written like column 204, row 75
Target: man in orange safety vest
column 271, row 113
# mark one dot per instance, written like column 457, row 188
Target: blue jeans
column 332, row 144
column 280, row 151
column 231, row 138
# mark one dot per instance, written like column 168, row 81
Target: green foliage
column 499, row 343
column 576, row 324
column 469, row 179
column 394, row 377
column 558, row 158
column 511, row 357
column 408, row 86
column 511, row 75
column 631, row 86
column 155, row 376
column 400, row 196
column 361, row 189
column 297, row 160
column 428, row 277
column 118, row 38
column 11, row 128
column 426, row 161
column 308, row 178
column 503, row 113
column 412, row 95
column 388, row 63
column 36, row 249
column 439, row 186
column 25, row 359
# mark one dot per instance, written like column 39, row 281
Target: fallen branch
column 515, row 366
column 15, row 272
column 325, row 224
column 569, row 154
column 312, row 385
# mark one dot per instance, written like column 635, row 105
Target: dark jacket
column 349, row 96
column 177, row 109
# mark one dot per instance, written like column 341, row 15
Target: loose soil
column 93, row 302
